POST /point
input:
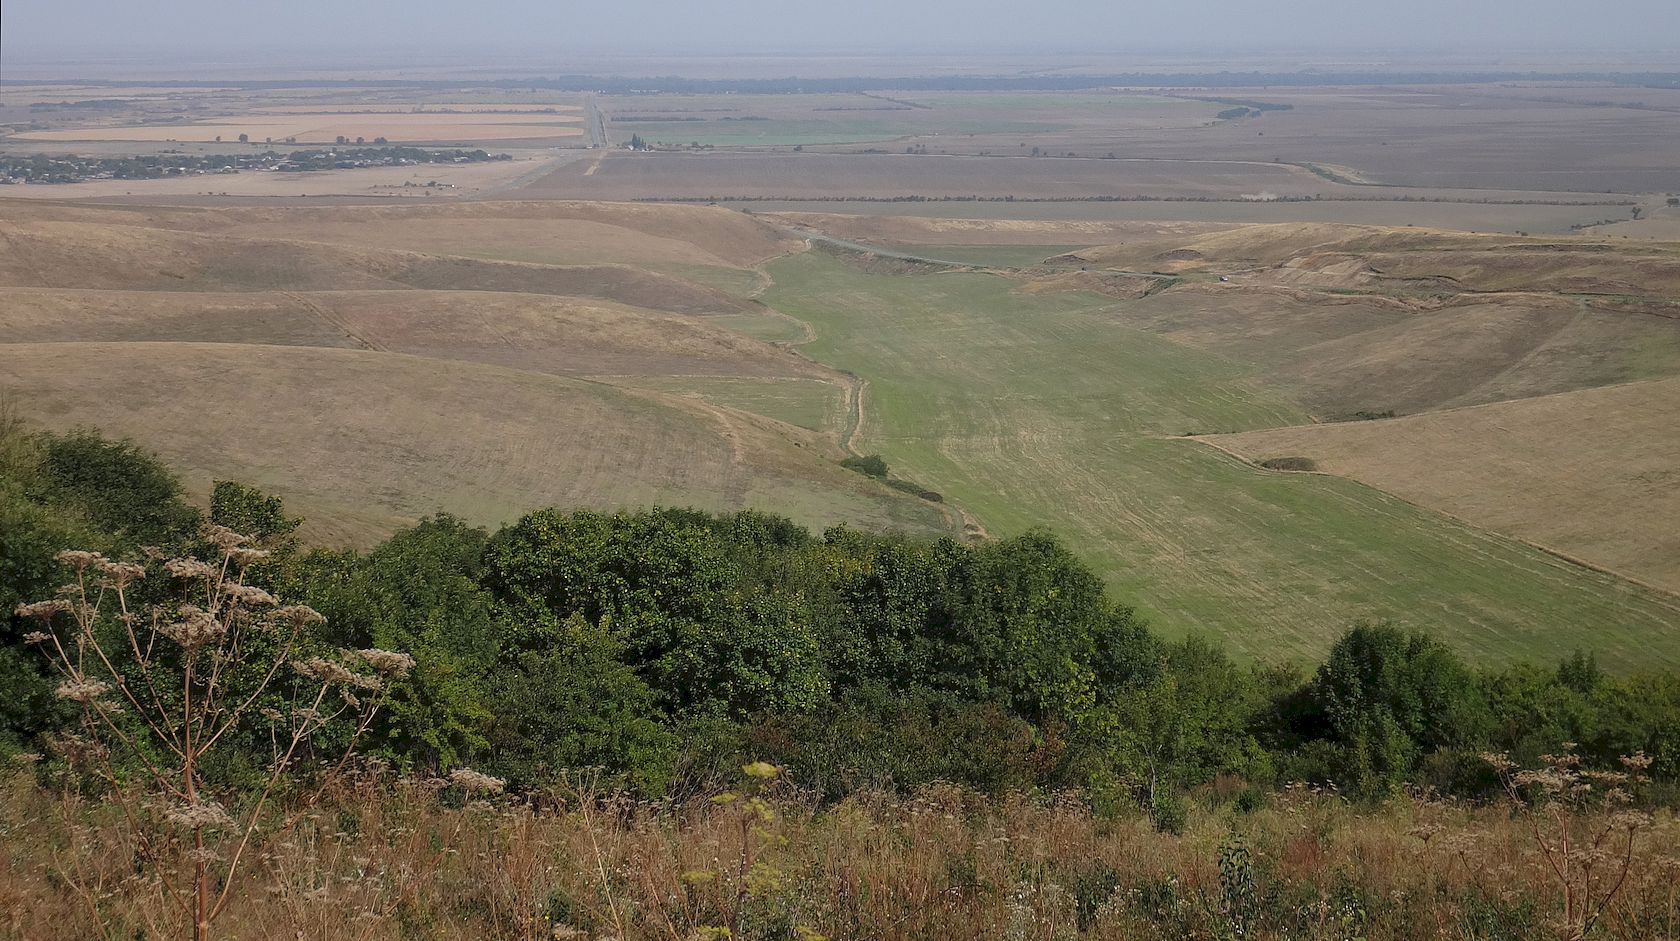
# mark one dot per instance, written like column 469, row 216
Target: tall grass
column 380, row 858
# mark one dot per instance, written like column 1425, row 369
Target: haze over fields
column 1504, row 25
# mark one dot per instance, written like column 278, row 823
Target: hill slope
column 399, row 382
column 364, row 441
column 1593, row 473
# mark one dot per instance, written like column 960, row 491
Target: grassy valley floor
column 1042, row 410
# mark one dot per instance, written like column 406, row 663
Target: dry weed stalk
column 1583, row 825
column 157, row 694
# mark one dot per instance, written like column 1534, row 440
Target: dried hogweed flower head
column 83, row 690
column 43, row 609
column 297, row 615
column 196, row 628
column 120, row 573
column 329, row 672
column 189, row 568
column 79, row 559
column 249, row 595
column 1637, row 763
column 475, row 783
column 224, row 538
column 242, row 556
column 386, row 662
column 198, row 816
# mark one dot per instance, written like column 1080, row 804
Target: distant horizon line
column 360, row 51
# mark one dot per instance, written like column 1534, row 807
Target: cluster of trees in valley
column 665, row 647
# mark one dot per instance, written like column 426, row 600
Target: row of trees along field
column 197, row 757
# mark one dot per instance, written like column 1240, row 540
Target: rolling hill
column 339, row 374
column 1593, row 473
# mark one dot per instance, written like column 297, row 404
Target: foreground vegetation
column 540, row 732
column 386, row 860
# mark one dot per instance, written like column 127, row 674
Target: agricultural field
column 1552, row 218
column 1566, row 157
column 1062, row 188
column 439, row 182
column 311, row 112
column 884, row 176
column 1562, row 137
column 816, row 121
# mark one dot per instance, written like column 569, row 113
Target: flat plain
column 328, row 127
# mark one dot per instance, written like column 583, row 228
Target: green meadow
column 1042, row 410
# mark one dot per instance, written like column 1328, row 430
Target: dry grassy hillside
column 58, row 254
column 1582, row 456
column 1593, row 473
column 550, row 232
column 542, row 333
column 1361, row 318
column 1349, row 257
column 1341, row 353
column 370, row 383
column 362, row 441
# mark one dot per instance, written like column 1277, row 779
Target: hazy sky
column 235, row 27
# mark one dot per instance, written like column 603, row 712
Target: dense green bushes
column 657, row 646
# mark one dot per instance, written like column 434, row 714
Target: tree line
column 665, row 647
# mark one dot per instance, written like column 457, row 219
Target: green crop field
column 1043, row 410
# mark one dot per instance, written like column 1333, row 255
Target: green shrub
column 1290, row 463
column 119, row 488
column 871, row 465
column 248, row 510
